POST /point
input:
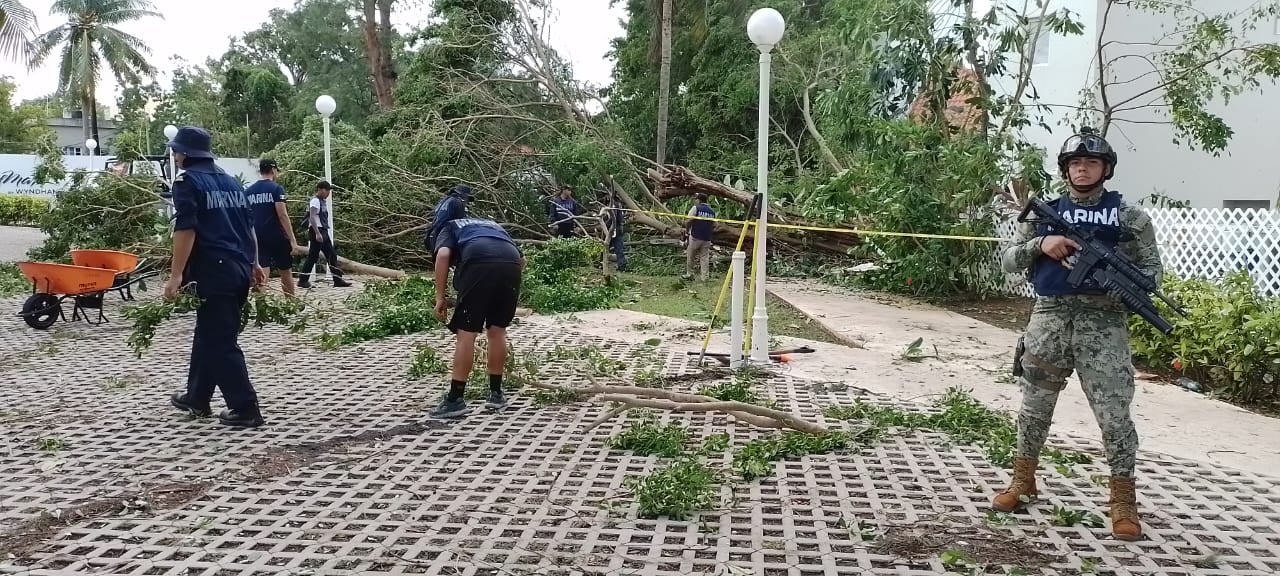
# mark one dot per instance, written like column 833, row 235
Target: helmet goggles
column 1086, row 144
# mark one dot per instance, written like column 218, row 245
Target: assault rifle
column 1107, row 269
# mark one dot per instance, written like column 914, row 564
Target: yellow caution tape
column 821, row 228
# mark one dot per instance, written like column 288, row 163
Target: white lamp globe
column 325, row 105
column 91, row 144
column 765, row 27
column 170, row 131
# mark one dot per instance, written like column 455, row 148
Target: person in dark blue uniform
column 276, row 242
column 617, row 232
column 488, row 265
column 450, row 208
column 214, row 249
column 561, row 212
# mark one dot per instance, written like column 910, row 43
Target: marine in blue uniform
column 561, row 212
column 616, row 217
column 276, row 242
column 487, row 272
column 700, row 234
column 214, row 252
column 451, row 207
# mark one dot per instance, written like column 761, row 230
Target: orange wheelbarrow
column 86, row 286
column 129, row 268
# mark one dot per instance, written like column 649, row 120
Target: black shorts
column 275, row 254
column 487, row 296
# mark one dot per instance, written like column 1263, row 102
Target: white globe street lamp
column 326, row 106
column 764, row 28
column 91, row 145
column 171, row 132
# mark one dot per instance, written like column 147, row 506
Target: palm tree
column 87, row 41
column 17, row 28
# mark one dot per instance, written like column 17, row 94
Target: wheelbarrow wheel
column 40, row 311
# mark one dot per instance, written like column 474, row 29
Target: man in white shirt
column 321, row 240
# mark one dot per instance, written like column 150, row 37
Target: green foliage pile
column 563, row 275
column 556, row 279
column 22, row 210
column 689, row 483
column 1229, row 341
column 12, row 281
column 390, row 308
column 107, row 212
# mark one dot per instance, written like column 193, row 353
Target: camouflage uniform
column 1085, row 333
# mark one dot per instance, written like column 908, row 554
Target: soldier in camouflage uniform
column 1080, row 329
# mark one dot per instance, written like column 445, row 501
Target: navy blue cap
column 193, row 142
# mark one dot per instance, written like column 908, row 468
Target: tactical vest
column 702, row 229
column 323, row 214
column 467, row 230
column 1100, row 222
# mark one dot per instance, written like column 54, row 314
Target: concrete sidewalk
column 16, row 240
column 972, row 354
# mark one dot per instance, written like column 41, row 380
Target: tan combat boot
column 1022, row 487
column 1124, row 509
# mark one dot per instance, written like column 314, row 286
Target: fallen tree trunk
column 679, row 181
column 360, row 269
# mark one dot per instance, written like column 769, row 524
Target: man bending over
column 487, row 277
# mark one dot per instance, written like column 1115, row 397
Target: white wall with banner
column 17, row 172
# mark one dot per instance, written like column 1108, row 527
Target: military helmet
column 1087, row 144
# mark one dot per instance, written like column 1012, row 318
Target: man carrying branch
column 1081, row 329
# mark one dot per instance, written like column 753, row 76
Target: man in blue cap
column 452, row 207
column 215, row 249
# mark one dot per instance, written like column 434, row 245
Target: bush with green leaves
column 562, row 275
column 108, row 212
column 1229, row 341
column 22, row 210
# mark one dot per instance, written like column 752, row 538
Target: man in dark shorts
column 276, row 241
column 487, row 277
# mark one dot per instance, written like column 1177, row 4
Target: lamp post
column 764, row 28
column 326, row 106
column 170, row 132
column 91, row 145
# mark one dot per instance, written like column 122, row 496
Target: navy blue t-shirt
column 263, row 196
column 482, row 249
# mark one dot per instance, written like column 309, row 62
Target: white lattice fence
column 1196, row 242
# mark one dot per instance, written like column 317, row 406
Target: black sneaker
column 180, row 401
column 497, row 400
column 304, row 284
column 340, row 283
column 241, row 419
column 451, row 409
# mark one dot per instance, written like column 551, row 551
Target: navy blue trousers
column 618, row 247
column 216, row 358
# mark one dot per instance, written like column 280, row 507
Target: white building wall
column 1246, row 174
column 1150, row 160
column 1063, row 66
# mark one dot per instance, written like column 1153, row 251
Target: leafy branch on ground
column 689, row 484
column 964, row 418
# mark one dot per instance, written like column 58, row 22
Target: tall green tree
column 22, row 128
column 17, row 28
column 88, row 41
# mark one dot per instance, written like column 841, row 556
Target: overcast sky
column 580, row 30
